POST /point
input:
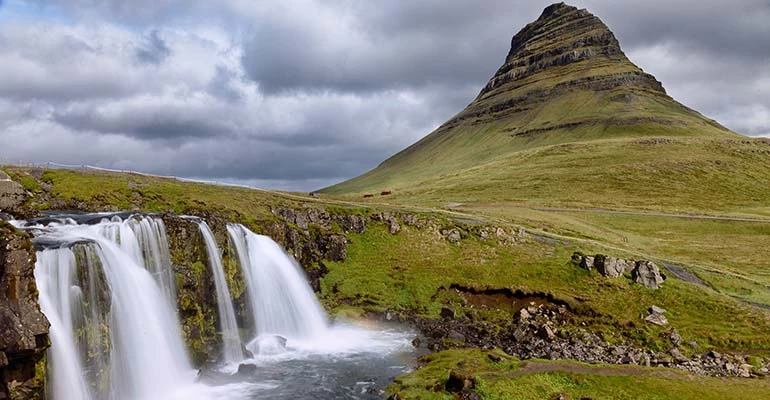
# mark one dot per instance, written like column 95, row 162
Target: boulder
column 744, row 370
column 393, row 225
column 612, row 267
column 656, row 310
column 546, row 332
column 447, row 312
column 678, row 356
column 456, row 336
column 587, row 263
column 656, row 316
column 505, row 238
column 247, row 370
column 523, row 315
column 452, row 235
column 392, row 222
column 657, row 319
column 674, row 337
column 647, row 274
column 411, row 220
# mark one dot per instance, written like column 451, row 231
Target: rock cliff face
column 12, row 195
column 23, row 328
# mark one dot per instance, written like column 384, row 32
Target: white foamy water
column 282, row 302
column 115, row 334
column 232, row 347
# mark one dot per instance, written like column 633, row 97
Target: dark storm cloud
column 154, row 128
column 303, row 93
column 386, row 45
column 154, row 50
column 723, row 28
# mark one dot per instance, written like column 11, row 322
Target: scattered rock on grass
column 656, row 316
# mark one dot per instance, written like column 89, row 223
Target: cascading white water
column 232, row 347
column 147, row 357
column 55, row 276
column 151, row 235
column 114, row 337
column 144, row 238
column 281, row 300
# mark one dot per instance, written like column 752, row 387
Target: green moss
column 511, row 379
column 39, row 381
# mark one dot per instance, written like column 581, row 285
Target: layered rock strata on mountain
column 566, row 49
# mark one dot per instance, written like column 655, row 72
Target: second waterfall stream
column 282, row 303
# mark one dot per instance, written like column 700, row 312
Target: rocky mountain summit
column 566, row 52
column 565, row 79
column 565, row 35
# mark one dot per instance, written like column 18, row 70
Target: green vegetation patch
column 407, row 272
column 511, row 379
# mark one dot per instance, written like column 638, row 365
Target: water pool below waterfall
column 359, row 369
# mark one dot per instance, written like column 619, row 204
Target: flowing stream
column 107, row 287
column 231, row 340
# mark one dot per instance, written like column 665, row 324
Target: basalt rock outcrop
column 565, row 35
column 23, row 327
column 12, row 195
column 540, row 328
column 643, row 272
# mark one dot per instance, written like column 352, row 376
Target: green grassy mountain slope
column 568, row 110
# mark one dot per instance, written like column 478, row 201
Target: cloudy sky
column 299, row 94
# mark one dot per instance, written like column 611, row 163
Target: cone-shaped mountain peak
column 564, row 80
column 562, row 35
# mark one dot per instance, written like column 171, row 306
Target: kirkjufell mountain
column 567, row 109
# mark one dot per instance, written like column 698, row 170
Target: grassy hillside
column 582, row 115
column 404, row 272
column 408, row 273
column 569, row 121
column 700, row 175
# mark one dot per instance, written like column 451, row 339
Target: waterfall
column 146, row 354
column 151, row 235
column 232, row 350
column 108, row 289
column 54, row 276
column 144, row 239
column 281, row 300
